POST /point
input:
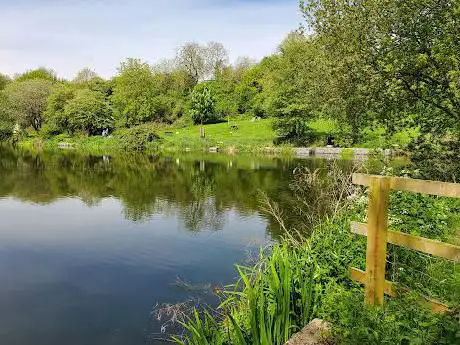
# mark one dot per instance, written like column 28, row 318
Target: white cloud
column 69, row 35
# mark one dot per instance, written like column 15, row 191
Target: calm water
column 90, row 245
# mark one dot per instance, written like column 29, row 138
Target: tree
column 56, row 120
column 202, row 105
column 84, row 76
column 133, row 91
column 39, row 73
column 300, row 93
column 397, row 61
column 6, row 123
column 202, row 62
column 216, row 59
column 27, row 101
column 88, row 112
column 190, row 57
column 4, row 80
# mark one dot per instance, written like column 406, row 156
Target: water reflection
column 198, row 191
column 88, row 245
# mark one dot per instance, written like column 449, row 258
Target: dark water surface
column 90, row 245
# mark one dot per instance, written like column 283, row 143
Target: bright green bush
column 202, row 106
column 137, row 138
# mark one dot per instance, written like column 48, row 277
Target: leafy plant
column 137, row 138
column 88, row 112
column 202, row 106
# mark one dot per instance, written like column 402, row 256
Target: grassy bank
column 242, row 135
column 300, row 279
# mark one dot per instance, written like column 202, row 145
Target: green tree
column 88, row 112
column 202, row 105
column 6, row 123
column 397, row 61
column 297, row 94
column 27, row 101
column 39, row 73
column 133, row 92
column 56, row 120
column 4, row 80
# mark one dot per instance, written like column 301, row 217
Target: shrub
column 294, row 130
column 137, row 138
column 6, row 123
column 202, row 106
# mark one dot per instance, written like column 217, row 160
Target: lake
column 91, row 246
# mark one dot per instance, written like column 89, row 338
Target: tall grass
column 270, row 302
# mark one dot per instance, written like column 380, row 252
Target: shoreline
column 111, row 145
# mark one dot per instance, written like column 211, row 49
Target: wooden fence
column 378, row 234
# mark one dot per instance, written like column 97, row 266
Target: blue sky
column 68, row 35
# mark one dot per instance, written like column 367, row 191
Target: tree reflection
column 197, row 190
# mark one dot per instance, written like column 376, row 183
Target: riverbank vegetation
column 301, row 279
column 384, row 69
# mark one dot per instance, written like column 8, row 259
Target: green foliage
column 56, row 121
column 393, row 61
column 137, row 138
column 6, row 123
column 4, row 80
column 202, row 105
column 437, row 159
column 400, row 321
column 39, row 73
column 141, row 94
column 314, row 273
column 27, row 101
column 88, row 112
column 133, row 93
column 292, row 126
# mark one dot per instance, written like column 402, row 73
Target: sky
column 68, row 35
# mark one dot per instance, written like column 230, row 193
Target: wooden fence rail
column 378, row 235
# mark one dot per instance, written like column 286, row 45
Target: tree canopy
column 27, row 101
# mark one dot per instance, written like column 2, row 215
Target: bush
column 202, row 106
column 89, row 112
column 6, row 129
column 294, row 130
column 137, row 138
column 399, row 321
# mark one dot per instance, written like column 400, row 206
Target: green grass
column 242, row 135
column 248, row 136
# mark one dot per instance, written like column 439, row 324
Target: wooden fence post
column 377, row 225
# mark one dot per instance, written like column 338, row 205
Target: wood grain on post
column 377, row 239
